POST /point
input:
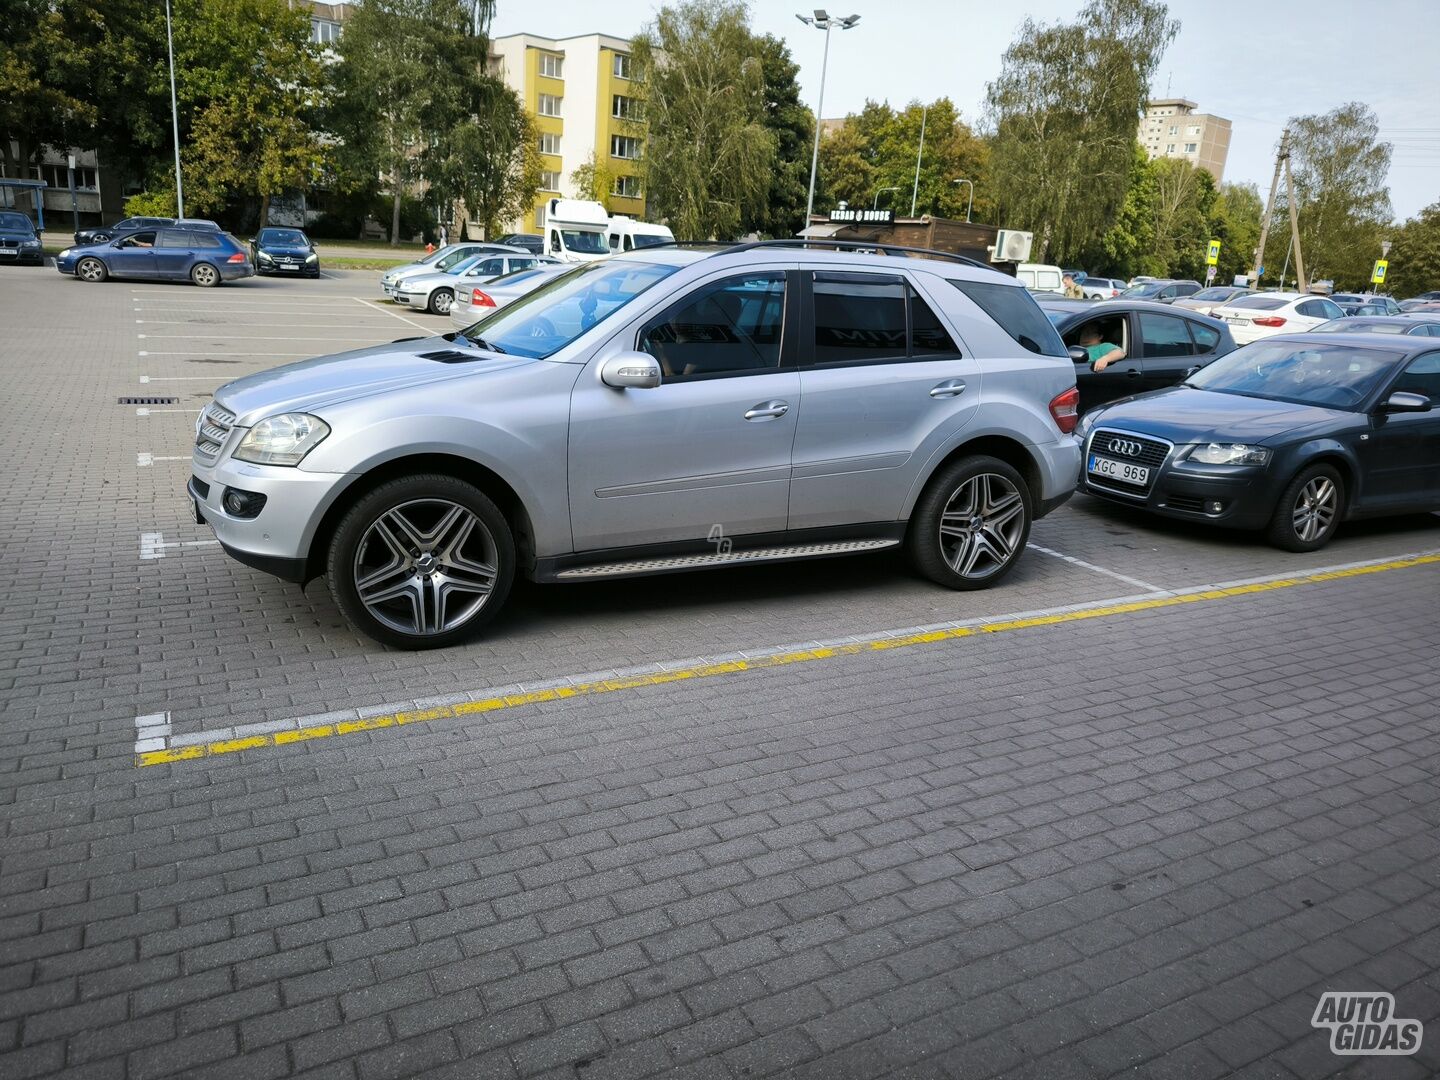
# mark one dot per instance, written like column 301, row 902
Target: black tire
column 204, row 275
column 351, row 553
column 440, row 301
column 1307, row 512
column 91, row 269
column 990, row 542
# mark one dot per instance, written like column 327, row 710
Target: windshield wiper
column 483, row 344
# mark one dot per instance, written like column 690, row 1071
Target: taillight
column 1268, row 320
column 238, row 257
column 479, row 299
column 1065, row 408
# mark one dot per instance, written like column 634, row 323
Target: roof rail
column 863, row 245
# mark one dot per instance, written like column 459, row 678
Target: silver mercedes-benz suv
column 684, row 408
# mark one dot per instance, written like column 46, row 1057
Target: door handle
column 768, row 410
column 1133, row 373
column 948, row 388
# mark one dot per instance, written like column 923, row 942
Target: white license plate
column 288, row 266
column 1237, row 322
column 9, row 251
column 1118, row 470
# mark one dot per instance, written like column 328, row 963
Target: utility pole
column 1300, row 281
column 916, row 190
column 174, row 115
column 1280, row 160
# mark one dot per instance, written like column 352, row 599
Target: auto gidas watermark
column 1365, row 1023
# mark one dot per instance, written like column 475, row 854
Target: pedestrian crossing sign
column 1212, row 256
column 1377, row 276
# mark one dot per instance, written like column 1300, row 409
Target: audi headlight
column 1229, row 454
column 282, row 440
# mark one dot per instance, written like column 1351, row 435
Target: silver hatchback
column 663, row 411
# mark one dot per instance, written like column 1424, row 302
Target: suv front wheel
column 422, row 562
column 971, row 524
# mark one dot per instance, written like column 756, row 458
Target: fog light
column 242, row 504
column 1213, row 507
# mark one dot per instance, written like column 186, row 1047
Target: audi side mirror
column 631, row 371
column 1403, row 401
column 1079, row 355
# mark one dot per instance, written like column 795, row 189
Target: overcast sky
column 1256, row 66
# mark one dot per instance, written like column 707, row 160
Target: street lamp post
column 924, row 109
column 174, row 114
column 876, row 204
column 971, row 201
column 821, row 20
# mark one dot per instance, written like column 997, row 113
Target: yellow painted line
column 758, row 663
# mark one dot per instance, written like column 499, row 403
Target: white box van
column 575, row 230
column 627, row 234
column 1040, row 277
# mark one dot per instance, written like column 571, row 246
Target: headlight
column 263, row 257
column 64, row 254
column 1228, row 454
column 312, row 257
column 282, row 440
column 31, row 244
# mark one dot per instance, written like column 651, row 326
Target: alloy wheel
column 90, row 270
column 981, row 525
column 204, row 275
column 426, row 567
column 1315, row 509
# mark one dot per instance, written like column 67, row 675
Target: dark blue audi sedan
column 203, row 256
column 284, row 251
column 1291, row 435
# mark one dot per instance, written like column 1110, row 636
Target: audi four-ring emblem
column 1128, row 447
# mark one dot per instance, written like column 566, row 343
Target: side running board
column 714, row 560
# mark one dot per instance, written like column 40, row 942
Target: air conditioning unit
column 1011, row 245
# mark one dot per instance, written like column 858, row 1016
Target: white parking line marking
column 1032, row 546
column 428, row 329
column 153, row 544
column 149, row 412
column 151, row 731
column 249, row 337
column 211, row 352
column 176, row 378
column 143, row 460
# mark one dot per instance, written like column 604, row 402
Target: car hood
column 1183, row 414
column 283, row 250
column 434, row 278
column 311, row 385
column 407, row 271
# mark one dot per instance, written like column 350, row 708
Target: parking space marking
column 1032, row 546
column 143, row 460
column 230, row 740
column 212, row 352
column 153, row 544
column 427, row 329
column 153, row 412
column 176, row 378
column 248, row 337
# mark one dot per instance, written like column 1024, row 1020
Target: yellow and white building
column 579, row 92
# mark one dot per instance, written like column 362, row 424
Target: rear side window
column 1206, row 339
column 1164, row 335
column 208, row 240
column 874, row 317
column 1017, row 314
column 173, row 238
column 927, row 336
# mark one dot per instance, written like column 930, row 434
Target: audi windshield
column 1333, row 376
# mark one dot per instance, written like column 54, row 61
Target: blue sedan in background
column 18, row 242
column 203, row 256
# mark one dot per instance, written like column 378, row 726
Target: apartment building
column 579, row 91
column 1172, row 128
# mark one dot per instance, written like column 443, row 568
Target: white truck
column 627, row 234
column 576, row 230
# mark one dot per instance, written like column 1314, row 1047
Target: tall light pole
column 821, row 21
column 924, row 109
column 174, row 115
column 876, row 204
column 971, row 201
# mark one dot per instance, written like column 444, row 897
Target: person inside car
column 1102, row 353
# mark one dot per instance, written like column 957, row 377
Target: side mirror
column 631, row 370
column 1402, row 401
column 1079, row 355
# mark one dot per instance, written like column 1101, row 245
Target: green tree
column 1415, row 256
column 709, row 153
column 782, row 211
column 492, row 163
column 1235, row 222
column 1185, row 198
column 593, row 180
column 1127, row 247
column 1065, row 108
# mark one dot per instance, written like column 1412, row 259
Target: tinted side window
column 1164, row 335
column 206, row 240
column 1206, row 339
column 1017, row 313
column 1421, row 376
column 858, row 317
column 729, row 325
column 927, row 336
column 173, row 238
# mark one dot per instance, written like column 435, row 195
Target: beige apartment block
column 1172, row 128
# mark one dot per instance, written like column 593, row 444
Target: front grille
column 1131, row 448
column 212, row 431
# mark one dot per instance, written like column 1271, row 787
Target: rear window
column 1214, row 294
column 1260, row 303
column 1017, row 313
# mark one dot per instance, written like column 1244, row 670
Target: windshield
column 650, row 241
column 1360, row 326
column 291, row 237
column 1149, row 288
column 1333, row 376
column 543, row 322
column 584, row 243
column 1214, row 294
column 15, row 221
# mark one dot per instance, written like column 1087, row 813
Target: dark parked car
column 1207, row 300
column 284, row 251
column 1353, row 304
column 1418, row 304
column 102, row 233
column 1293, row 434
column 525, row 241
column 1164, row 290
column 1160, row 344
column 1421, row 323
column 18, row 241
column 203, row 256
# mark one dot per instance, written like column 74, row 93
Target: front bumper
column 22, row 257
column 278, row 539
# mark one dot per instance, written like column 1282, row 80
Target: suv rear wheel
column 971, row 523
column 422, row 562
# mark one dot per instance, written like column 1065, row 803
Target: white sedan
column 474, row 301
column 436, row 292
column 1260, row 315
